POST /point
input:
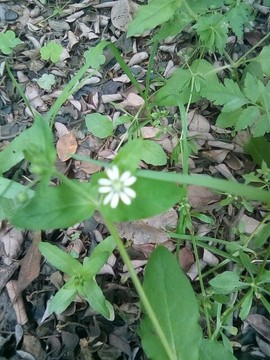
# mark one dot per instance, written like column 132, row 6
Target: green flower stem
column 139, row 288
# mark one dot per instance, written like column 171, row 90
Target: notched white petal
column 113, row 173
column 108, row 198
column 115, row 200
column 104, row 189
column 125, row 176
column 104, row 181
column 130, row 192
column 130, row 181
column 126, row 199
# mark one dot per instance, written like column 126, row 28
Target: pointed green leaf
column 246, row 305
column 39, row 136
column 93, row 294
column 226, row 282
column 212, row 350
column 62, row 299
column 57, row 207
column 152, row 153
column 263, row 59
column 129, row 156
column 91, row 266
column 174, row 303
column 149, row 16
column 259, row 149
column 99, row 256
column 99, row 125
column 60, row 259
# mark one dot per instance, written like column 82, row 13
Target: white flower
column 117, row 187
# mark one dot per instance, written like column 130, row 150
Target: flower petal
column 126, row 200
column 115, row 200
column 104, row 181
column 130, row 181
column 113, row 173
column 104, row 189
column 129, row 192
column 108, row 198
column 125, row 176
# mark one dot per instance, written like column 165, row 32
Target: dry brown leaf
column 199, row 197
column 12, row 240
column 17, row 302
column 132, row 101
column 250, row 224
column 261, row 324
column 233, row 162
column 186, row 258
column 6, row 271
column 197, row 122
column 122, row 13
column 152, row 230
column 141, row 233
column 30, row 265
column 209, row 258
column 66, row 146
column 216, row 155
column 149, row 132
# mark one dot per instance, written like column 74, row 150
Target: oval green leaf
column 174, row 303
column 99, row 125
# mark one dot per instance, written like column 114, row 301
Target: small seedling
column 81, row 277
column 52, row 51
column 46, row 81
column 8, row 41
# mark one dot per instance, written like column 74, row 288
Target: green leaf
column 174, row 26
column 57, row 207
column 174, row 303
column 228, row 95
column 52, row 51
column 62, row 299
column 8, row 41
column 98, row 257
column 248, row 117
column 212, row 350
column 260, row 238
column 129, row 155
column 179, row 87
column 213, row 31
column 246, row 305
column 149, row 16
column 60, row 259
column 259, row 149
column 93, row 294
column 226, row 282
column 229, row 119
column 11, row 190
column 99, row 125
column 251, row 88
column 153, row 197
column 38, row 137
column 261, row 126
column 108, row 245
column 94, row 56
column 91, row 266
column 263, row 59
column 152, row 153
column 46, row 81
column 237, row 17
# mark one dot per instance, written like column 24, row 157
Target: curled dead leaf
column 66, row 146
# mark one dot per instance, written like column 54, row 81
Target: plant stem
column 147, row 306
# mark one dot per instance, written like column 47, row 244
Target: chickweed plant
column 122, row 192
